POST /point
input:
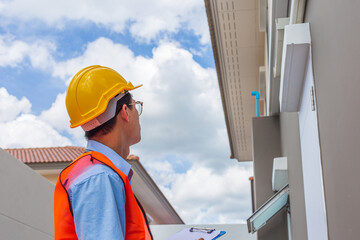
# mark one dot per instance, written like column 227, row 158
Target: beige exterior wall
column 51, row 177
column 51, row 174
column 336, row 59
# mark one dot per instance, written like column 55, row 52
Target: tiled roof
column 46, row 155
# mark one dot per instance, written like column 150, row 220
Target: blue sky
column 163, row 45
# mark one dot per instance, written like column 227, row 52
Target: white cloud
column 19, row 128
column 102, row 51
column 219, row 197
column 13, row 52
column 40, row 55
column 186, row 101
column 28, row 131
column 57, row 117
column 145, row 19
column 11, row 107
column 57, row 114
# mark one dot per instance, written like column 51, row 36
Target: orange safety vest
column 136, row 225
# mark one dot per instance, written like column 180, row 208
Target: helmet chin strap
column 105, row 116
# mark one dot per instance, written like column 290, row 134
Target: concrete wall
column 336, row 60
column 267, row 146
column 26, row 202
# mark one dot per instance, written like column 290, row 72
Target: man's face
column 135, row 130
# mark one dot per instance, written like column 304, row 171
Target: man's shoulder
column 93, row 172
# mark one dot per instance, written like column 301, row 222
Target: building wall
column 26, row 202
column 336, row 59
column 51, row 177
column 267, row 146
column 311, row 162
column 291, row 148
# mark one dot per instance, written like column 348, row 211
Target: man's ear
column 124, row 114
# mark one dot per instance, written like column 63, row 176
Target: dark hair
column 106, row 127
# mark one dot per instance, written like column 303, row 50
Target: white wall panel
column 26, row 202
column 311, row 161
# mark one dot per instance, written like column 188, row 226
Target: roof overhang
column 238, row 48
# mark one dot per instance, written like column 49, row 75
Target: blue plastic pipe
column 257, row 97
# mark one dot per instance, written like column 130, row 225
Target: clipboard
column 195, row 233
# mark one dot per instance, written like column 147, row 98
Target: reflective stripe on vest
column 136, row 226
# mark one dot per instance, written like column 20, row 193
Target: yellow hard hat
column 90, row 91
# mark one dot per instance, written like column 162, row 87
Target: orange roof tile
column 51, row 154
column 46, row 155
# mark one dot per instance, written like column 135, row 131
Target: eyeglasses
column 138, row 106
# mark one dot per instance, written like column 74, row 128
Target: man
column 93, row 196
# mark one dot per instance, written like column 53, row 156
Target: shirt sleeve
column 98, row 204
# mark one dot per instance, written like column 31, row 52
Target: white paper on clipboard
column 186, row 234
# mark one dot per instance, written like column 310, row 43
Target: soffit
column 239, row 52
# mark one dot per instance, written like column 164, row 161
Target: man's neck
column 114, row 143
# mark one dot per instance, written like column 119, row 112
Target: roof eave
column 210, row 13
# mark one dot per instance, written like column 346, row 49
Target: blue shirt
column 98, row 198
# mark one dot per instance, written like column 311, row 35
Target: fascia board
column 295, row 57
column 211, row 12
column 277, row 9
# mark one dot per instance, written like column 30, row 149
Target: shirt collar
column 115, row 158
